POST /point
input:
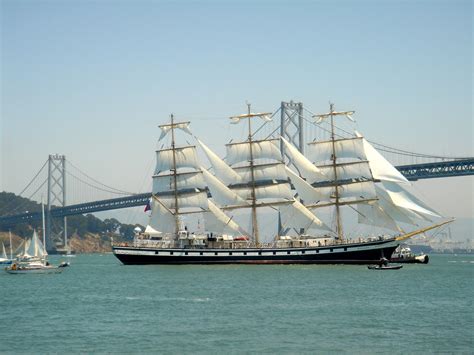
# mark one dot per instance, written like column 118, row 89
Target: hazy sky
column 93, row 79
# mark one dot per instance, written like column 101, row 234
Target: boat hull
column 417, row 259
column 353, row 253
column 388, row 267
column 49, row 270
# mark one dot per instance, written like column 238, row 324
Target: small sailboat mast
column 11, row 245
column 44, row 230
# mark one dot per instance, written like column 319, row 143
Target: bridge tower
column 291, row 124
column 291, row 128
column 56, row 195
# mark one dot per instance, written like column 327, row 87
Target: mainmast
column 249, row 116
column 331, row 114
column 175, row 174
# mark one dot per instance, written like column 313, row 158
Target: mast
column 331, row 114
column 252, row 173
column 251, row 157
column 336, row 188
column 11, row 246
column 175, row 175
column 44, row 234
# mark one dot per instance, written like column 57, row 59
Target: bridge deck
column 411, row 172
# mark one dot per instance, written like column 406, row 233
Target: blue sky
column 93, row 79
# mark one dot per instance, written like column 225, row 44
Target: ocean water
column 99, row 305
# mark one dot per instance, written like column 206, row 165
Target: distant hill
column 80, row 227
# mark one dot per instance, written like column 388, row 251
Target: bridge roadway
column 411, row 172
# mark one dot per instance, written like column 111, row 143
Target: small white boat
column 34, row 258
column 34, row 267
column 384, row 267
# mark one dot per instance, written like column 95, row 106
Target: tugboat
column 403, row 254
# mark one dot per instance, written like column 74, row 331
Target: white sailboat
column 34, row 259
column 4, row 259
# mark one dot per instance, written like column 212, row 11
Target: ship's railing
column 169, row 244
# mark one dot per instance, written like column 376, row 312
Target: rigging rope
column 387, row 148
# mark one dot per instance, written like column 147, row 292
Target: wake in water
column 181, row 299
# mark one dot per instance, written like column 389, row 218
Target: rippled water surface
column 99, row 305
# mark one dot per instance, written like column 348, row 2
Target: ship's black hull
column 353, row 253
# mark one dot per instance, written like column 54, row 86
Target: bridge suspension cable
column 6, row 209
column 102, row 187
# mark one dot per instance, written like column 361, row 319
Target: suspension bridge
column 84, row 194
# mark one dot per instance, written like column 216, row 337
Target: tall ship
column 263, row 203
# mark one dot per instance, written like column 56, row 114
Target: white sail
column 349, row 192
column 381, row 168
column 373, row 214
column 35, row 247
column 221, row 193
column 397, row 213
column 403, row 198
column 307, row 193
column 4, row 254
column 240, row 152
column 186, row 157
column 184, row 126
column 357, row 170
column 189, row 180
column 275, row 191
column 297, row 216
column 161, row 218
column 194, row 200
column 307, row 169
column 151, row 231
column 217, row 221
column 273, row 171
column 359, row 190
column 222, row 171
column 345, row 148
